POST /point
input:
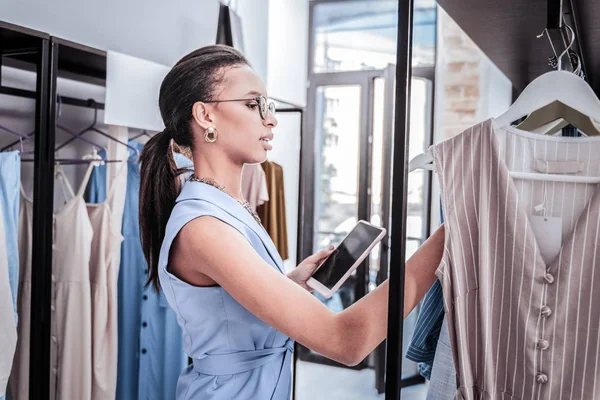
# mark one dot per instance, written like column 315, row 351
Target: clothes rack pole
column 63, row 99
column 43, row 189
column 554, row 18
column 398, row 213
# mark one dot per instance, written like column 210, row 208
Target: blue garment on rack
column 427, row 329
column 96, row 188
column 150, row 349
column 235, row 354
column 10, row 180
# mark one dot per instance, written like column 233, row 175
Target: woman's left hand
column 306, row 268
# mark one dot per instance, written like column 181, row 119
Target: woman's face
column 243, row 134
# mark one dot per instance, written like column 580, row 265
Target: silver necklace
column 213, row 183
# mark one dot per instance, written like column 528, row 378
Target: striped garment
column 523, row 323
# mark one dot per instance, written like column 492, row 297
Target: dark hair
column 194, row 78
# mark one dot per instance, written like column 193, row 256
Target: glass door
column 341, row 114
column 418, row 192
column 349, row 157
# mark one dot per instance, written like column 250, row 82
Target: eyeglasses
column 263, row 105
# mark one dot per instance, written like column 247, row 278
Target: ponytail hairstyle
column 194, row 78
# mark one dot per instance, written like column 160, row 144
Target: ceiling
column 506, row 32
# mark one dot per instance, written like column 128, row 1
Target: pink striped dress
column 523, row 314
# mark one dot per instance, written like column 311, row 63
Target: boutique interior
column 384, row 111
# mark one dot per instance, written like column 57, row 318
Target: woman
column 216, row 265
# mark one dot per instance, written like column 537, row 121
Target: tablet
column 348, row 255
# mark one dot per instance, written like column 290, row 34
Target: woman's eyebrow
column 254, row 93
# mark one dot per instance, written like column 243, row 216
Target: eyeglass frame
column 270, row 106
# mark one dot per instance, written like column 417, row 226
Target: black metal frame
column 399, row 200
column 49, row 57
column 364, row 79
column 427, row 73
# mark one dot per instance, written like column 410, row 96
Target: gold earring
column 210, row 135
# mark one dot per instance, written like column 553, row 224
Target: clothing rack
column 493, row 26
column 48, row 56
column 10, row 91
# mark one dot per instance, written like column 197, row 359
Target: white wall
column 255, row 24
column 149, row 29
column 496, row 91
column 286, row 152
column 132, row 91
column 288, row 50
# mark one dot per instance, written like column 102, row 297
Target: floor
column 316, row 382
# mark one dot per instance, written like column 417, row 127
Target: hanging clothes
column 71, row 351
column 230, row 361
column 103, row 278
column 522, row 317
column 8, row 331
column 10, row 178
column 425, row 336
column 254, row 185
column 272, row 213
column 19, row 378
column 71, row 330
column 150, row 350
column 427, row 330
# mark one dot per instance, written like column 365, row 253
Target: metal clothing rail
column 10, row 91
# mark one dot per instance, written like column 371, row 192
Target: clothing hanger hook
column 568, row 47
column 547, row 33
column 93, row 103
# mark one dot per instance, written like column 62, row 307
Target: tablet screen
column 346, row 254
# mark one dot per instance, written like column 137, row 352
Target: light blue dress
column 10, row 179
column 235, row 354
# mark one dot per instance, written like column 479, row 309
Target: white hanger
column 94, row 156
column 562, row 86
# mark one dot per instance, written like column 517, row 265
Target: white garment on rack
column 8, row 331
column 104, row 274
column 71, row 330
column 19, row 377
column 254, row 185
column 71, row 351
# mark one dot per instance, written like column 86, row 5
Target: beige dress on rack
column 104, row 273
column 71, row 330
column 71, row 365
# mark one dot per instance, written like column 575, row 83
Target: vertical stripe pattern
column 523, row 325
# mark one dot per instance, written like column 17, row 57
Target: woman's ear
column 202, row 115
